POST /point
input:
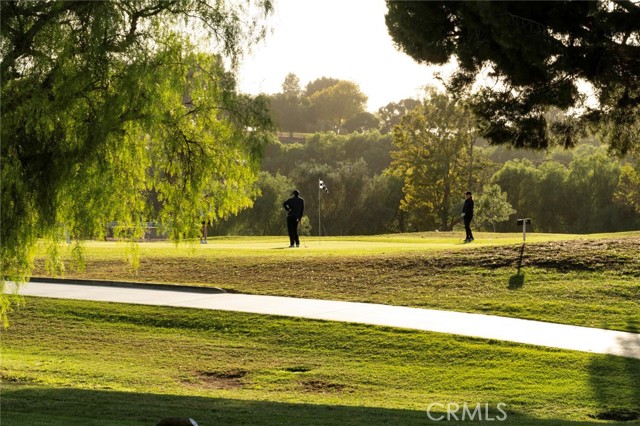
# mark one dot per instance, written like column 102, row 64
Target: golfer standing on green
column 295, row 209
column 467, row 215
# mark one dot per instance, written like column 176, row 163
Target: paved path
column 475, row 325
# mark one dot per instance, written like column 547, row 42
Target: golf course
column 93, row 363
column 319, row 213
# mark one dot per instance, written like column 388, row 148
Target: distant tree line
column 362, row 199
column 330, row 104
column 593, row 193
column 413, row 179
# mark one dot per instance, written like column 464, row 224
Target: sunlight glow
column 347, row 40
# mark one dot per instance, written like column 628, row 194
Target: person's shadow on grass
column 517, row 281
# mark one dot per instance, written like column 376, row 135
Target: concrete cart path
column 474, row 325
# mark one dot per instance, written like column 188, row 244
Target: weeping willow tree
column 107, row 105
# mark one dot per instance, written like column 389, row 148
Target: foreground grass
column 582, row 280
column 70, row 362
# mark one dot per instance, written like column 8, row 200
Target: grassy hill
column 88, row 363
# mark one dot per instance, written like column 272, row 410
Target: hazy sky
column 344, row 39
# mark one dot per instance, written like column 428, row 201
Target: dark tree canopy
column 539, row 52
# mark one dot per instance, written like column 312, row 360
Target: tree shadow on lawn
column 32, row 405
column 610, row 375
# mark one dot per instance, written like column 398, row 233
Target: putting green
column 323, row 246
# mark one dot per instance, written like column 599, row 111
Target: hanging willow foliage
column 123, row 112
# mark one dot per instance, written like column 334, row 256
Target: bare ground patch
column 231, row 379
column 321, row 386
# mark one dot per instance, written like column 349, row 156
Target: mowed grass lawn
column 89, row 363
column 589, row 280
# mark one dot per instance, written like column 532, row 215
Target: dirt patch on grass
column 231, row 379
column 321, row 386
column 298, row 369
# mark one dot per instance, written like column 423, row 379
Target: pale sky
column 343, row 39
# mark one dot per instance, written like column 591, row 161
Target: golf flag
column 323, row 186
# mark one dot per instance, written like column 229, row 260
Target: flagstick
column 321, row 186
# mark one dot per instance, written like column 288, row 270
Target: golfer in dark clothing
column 295, row 209
column 467, row 215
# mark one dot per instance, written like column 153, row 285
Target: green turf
column 276, row 246
column 69, row 358
column 69, row 362
column 582, row 280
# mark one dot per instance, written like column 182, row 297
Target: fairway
column 70, row 362
column 587, row 280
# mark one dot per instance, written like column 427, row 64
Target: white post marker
column 524, row 223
